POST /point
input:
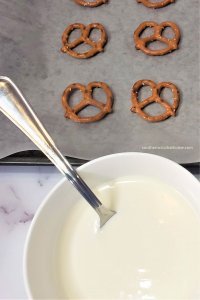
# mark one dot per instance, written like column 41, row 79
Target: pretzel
column 149, row 3
column 138, row 106
column 87, row 93
column 96, row 47
column 142, row 43
column 91, row 4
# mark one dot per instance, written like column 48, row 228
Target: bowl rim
column 51, row 192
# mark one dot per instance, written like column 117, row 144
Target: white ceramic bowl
column 39, row 255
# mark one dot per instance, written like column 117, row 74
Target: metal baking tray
column 35, row 157
column 30, row 42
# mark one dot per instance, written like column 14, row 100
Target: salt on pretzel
column 96, row 47
column 171, row 43
column 150, row 4
column 138, row 106
column 87, row 100
column 91, row 3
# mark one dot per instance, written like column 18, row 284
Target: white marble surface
column 22, row 189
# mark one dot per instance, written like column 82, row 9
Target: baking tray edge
column 37, row 158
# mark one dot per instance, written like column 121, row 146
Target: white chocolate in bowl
column 149, row 251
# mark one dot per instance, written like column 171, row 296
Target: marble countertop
column 22, row 189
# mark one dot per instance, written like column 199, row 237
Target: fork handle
column 16, row 108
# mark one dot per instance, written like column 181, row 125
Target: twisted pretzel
column 96, row 47
column 142, row 43
column 160, row 4
column 87, row 92
column 138, row 106
column 91, row 4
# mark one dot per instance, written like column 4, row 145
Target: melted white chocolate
column 150, row 250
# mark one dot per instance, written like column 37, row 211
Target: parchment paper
column 30, row 42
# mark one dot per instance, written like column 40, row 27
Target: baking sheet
column 30, row 42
